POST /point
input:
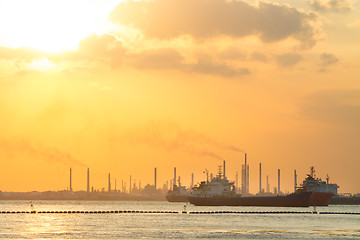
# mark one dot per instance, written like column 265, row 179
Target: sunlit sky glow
column 126, row 86
column 51, row 25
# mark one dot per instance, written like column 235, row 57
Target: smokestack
column 130, row 185
column 115, row 184
column 109, row 184
column 70, row 181
column 192, row 180
column 245, row 173
column 224, row 169
column 295, row 181
column 260, row 178
column 278, row 190
column 267, row 184
column 247, row 178
column 88, row 181
column 237, row 181
column 155, row 179
column 174, row 176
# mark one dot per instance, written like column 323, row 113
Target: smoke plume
column 171, row 137
column 20, row 147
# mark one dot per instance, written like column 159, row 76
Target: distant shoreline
column 81, row 195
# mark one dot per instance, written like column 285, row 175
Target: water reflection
column 185, row 226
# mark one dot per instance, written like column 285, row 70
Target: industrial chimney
column 224, row 169
column 70, row 181
column 192, row 180
column 295, row 181
column 88, row 181
column 109, row 184
column 260, row 178
column 130, row 185
column 245, row 172
column 155, row 179
column 278, row 190
column 174, row 183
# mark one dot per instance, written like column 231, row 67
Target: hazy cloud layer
column 331, row 5
column 207, row 66
column 327, row 59
column 171, row 137
column 337, row 106
column 170, row 59
column 211, row 18
column 157, row 59
column 108, row 50
column 50, row 154
column 24, row 54
column 288, row 59
column 99, row 48
column 256, row 56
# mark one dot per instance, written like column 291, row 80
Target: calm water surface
column 172, row 226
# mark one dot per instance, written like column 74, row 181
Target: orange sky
column 126, row 86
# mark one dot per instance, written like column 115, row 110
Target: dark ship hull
column 177, row 198
column 339, row 200
column 292, row 200
column 321, row 198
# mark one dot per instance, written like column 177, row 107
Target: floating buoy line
column 172, row 212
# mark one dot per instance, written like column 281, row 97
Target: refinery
column 174, row 191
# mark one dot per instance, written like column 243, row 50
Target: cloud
column 50, row 154
column 336, row 106
column 232, row 53
column 288, row 59
column 19, row 55
column 256, row 56
column 327, row 59
column 157, row 59
column 99, row 48
column 331, row 5
column 208, row 66
column 170, row 59
column 171, row 137
column 165, row 19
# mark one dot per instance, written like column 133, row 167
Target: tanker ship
column 178, row 194
column 322, row 191
column 221, row 192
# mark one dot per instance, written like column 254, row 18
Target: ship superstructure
column 221, row 192
column 218, row 186
column 313, row 184
column 323, row 191
column 178, row 194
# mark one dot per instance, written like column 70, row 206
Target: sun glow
column 51, row 26
column 42, row 64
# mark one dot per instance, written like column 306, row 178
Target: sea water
column 172, row 226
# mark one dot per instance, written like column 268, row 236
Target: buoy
column 184, row 210
column 32, row 208
column 314, row 211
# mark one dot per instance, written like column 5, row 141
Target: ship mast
column 219, row 172
column 207, row 175
column 312, row 172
